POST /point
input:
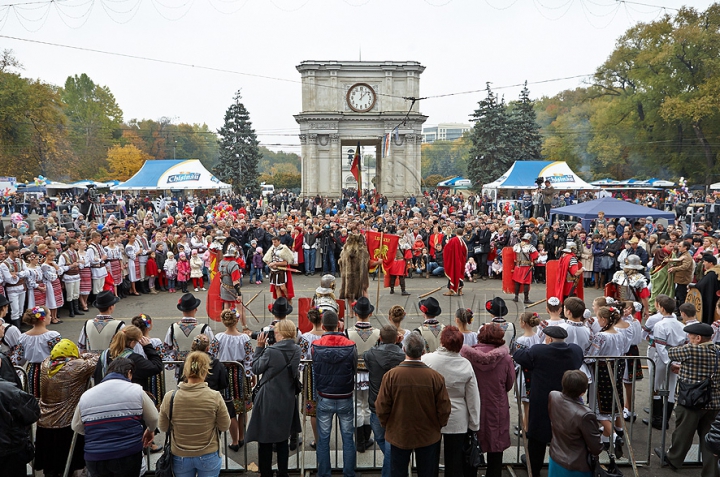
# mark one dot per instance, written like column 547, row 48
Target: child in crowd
column 183, row 271
column 470, row 268
column 540, row 263
column 170, row 268
column 151, row 272
column 160, row 257
column 632, row 366
column 528, row 321
column 496, row 268
column 196, row 270
column 553, row 308
column 257, row 266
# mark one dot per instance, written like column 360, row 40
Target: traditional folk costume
column 431, row 327
column 36, row 295
column 608, row 344
column 309, row 398
column 156, row 383
column 95, row 252
column 133, row 263
column 15, row 287
column 629, row 284
column 85, row 275
column 525, row 255
column 69, row 262
column 53, row 289
column 660, row 281
column 238, row 349
column 115, row 255
column 33, row 349
column 96, row 334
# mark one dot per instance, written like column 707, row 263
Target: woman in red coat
column 495, row 373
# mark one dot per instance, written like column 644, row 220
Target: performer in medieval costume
column 454, row 258
column 661, row 283
column 279, row 258
column 709, row 287
column 395, row 273
column 353, row 262
column 525, row 255
column 569, row 274
column 231, row 278
column 630, row 284
column 325, row 295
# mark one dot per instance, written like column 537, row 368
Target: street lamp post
column 239, row 169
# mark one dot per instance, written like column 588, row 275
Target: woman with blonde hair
column 235, row 348
column 122, row 346
column 199, row 415
column 276, row 415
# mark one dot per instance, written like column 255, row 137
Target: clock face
column 361, row 98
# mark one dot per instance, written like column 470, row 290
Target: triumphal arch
column 346, row 102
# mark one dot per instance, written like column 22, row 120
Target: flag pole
column 377, row 296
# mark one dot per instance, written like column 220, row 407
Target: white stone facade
column 328, row 122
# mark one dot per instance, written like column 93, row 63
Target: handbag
column 164, row 465
column 698, row 395
column 598, row 470
column 607, row 262
column 297, row 385
column 472, row 450
column 479, row 249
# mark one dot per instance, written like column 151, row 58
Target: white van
column 267, row 189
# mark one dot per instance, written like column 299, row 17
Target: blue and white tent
column 173, row 174
column 522, row 175
column 456, row 182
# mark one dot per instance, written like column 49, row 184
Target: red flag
column 384, row 251
column 355, row 168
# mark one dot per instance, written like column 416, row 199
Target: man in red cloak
column 454, row 258
column 568, row 279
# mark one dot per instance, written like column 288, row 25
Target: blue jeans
column 256, row 275
column 345, row 410
column 329, row 261
column 310, row 260
column 171, row 283
column 207, row 465
column 379, row 432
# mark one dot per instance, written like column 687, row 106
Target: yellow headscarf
column 61, row 353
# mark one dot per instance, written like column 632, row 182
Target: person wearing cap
column 96, row 334
column 365, row 336
column 325, row 294
column 431, row 328
column 548, row 364
column 180, row 335
column 279, row 258
column 682, row 268
column 231, row 278
column 569, row 275
column 698, row 361
column 497, row 310
column 708, row 286
column 629, row 284
column 637, row 249
column 525, row 255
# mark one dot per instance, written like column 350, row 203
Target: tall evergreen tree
column 239, row 149
column 489, row 158
column 524, row 131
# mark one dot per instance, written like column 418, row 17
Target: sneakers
column 203, row 289
column 196, row 289
column 258, row 282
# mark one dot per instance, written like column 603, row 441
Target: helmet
column 230, row 251
column 633, row 262
column 527, row 237
column 327, row 285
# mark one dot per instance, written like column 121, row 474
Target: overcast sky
column 462, row 43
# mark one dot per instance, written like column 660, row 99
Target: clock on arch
column 361, row 97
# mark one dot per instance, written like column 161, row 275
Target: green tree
column 271, row 159
column 489, row 156
column 446, row 158
column 239, row 151
column 524, row 137
column 95, row 120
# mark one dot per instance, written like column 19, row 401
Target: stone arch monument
column 344, row 102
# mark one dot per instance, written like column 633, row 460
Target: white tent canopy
column 522, row 175
column 172, row 175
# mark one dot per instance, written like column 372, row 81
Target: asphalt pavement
column 162, row 308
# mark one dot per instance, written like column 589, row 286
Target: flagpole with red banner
column 355, row 169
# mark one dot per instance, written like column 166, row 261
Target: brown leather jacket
column 683, row 269
column 575, row 432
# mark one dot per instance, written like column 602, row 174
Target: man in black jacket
column 378, row 361
column 18, row 411
column 548, row 363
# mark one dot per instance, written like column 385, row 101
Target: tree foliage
column 282, row 180
column 162, row 139
column 445, row 158
column 239, row 150
column 125, row 161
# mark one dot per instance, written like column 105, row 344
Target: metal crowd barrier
column 636, row 456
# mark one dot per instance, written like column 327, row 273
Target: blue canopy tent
column 613, row 208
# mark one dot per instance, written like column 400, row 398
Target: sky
column 200, row 52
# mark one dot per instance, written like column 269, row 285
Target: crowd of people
column 401, row 389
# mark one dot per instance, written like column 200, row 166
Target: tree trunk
column 709, row 156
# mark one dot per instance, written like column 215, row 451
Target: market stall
column 613, row 208
column 172, row 175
